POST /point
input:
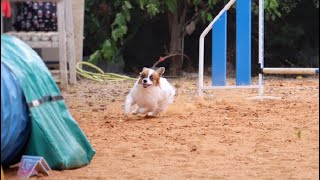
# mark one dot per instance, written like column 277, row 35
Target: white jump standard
column 243, row 50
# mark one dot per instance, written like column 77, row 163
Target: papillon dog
column 151, row 93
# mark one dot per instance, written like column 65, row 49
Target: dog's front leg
column 127, row 105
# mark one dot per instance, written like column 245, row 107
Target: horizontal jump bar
column 290, row 70
column 231, row 87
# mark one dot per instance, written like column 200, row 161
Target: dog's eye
column 142, row 76
column 151, row 77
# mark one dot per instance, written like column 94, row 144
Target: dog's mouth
column 146, row 85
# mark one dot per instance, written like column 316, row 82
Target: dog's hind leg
column 161, row 107
column 156, row 112
column 141, row 110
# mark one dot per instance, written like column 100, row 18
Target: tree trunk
column 176, row 23
column 175, row 67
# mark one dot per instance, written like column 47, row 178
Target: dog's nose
column 145, row 81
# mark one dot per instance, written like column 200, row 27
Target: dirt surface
column 222, row 136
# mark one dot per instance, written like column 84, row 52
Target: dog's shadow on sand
column 140, row 118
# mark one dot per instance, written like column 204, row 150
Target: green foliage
column 107, row 21
column 109, row 49
column 209, row 17
column 276, row 8
column 97, row 21
column 172, row 5
column 196, row 2
column 142, row 3
column 119, row 27
column 211, row 3
column 118, row 30
column 94, row 58
column 271, row 9
column 153, row 8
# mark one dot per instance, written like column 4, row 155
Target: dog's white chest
column 146, row 98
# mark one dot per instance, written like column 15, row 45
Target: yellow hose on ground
column 100, row 75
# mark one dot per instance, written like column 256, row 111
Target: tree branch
column 196, row 18
column 184, row 14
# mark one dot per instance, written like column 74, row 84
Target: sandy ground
column 223, row 136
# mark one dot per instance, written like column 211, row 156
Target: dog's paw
column 135, row 112
column 126, row 111
column 151, row 114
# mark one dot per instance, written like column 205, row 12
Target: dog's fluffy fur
column 151, row 92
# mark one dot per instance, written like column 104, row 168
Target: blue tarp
column 15, row 121
column 54, row 134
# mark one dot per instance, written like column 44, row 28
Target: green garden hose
column 99, row 76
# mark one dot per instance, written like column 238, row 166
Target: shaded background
column 291, row 40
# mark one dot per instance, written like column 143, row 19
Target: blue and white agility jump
column 243, row 50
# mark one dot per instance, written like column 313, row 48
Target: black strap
column 44, row 99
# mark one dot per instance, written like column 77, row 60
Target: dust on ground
column 223, row 135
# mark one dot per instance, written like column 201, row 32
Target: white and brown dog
column 152, row 93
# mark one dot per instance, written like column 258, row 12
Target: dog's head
column 150, row 77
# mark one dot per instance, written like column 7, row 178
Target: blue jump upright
column 243, row 46
column 219, row 51
column 243, row 42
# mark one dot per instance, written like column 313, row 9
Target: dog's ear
column 142, row 70
column 160, row 71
